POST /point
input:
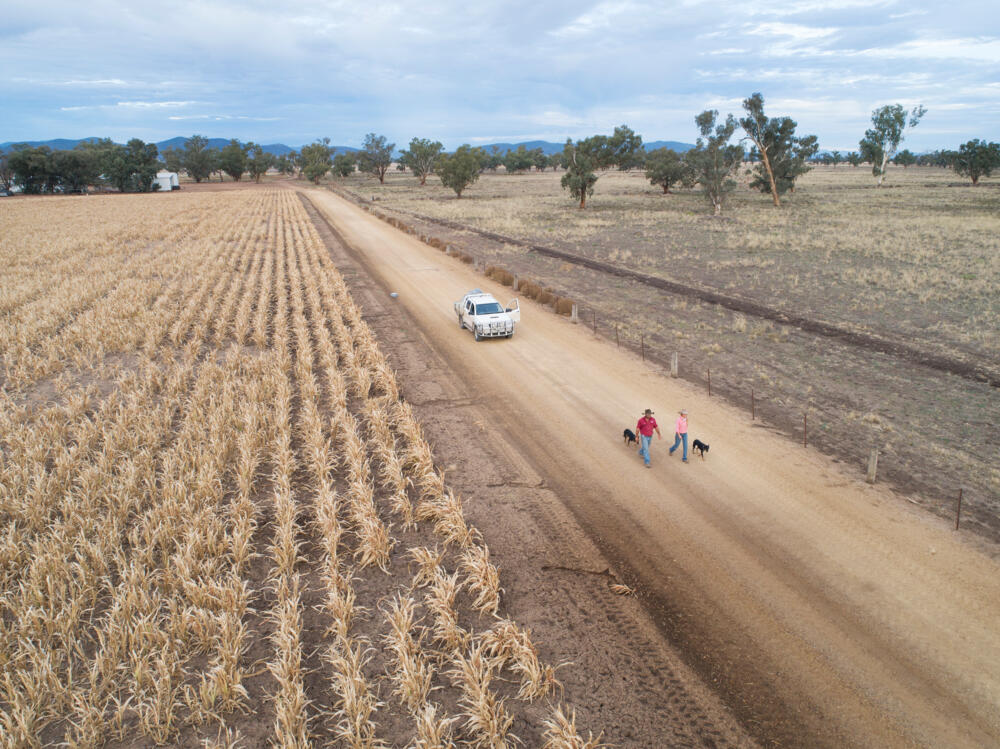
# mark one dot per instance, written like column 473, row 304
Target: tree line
column 778, row 157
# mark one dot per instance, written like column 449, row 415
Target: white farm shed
column 167, row 181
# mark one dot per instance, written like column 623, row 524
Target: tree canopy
column 233, row 159
column 419, row 158
column 782, row 156
column 976, row 159
column 199, row 160
column 713, row 158
column 626, row 149
column 886, row 133
column 581, row 159
column 666, row 167
column 258, row 161
column 375, row 156
column 343, row 164
column 460, row 169
column 316, row 160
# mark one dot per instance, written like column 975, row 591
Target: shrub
column 564, row 306
column 530, row 289
column 499, row 274
column 547, row 296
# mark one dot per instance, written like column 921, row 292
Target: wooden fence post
column 958, row 508
column 673, row 364
column 574, row 314
column 709, row 383
column 642, row 346
column 517, row 283
column 753, row 406
column 805, row 430
column 872, row 465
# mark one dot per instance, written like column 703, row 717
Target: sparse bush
column 564, row 306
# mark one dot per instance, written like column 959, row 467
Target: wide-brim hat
column 683, row 412
column 647, row 411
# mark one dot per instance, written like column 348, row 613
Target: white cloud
column 982, row 49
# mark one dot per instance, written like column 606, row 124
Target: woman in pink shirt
column 681, row 434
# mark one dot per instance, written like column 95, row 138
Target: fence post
column 618, row 342
column 673, row 364
column 805, row 430
column 753, row 406
column 642, row 346
column 872, row 465
column 595, row 322
column 958, row 508
column 517, row 283
column 574, row 315
column 709, row 383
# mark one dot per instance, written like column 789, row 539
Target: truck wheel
column 511, row 333
column 476, row 334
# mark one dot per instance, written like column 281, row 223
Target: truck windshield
column 489, row 308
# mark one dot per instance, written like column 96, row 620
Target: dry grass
column 201, row 446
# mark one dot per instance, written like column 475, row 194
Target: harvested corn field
column 221, row 524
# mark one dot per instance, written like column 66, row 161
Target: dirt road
column 822, row 610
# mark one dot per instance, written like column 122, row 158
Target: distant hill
column 674, row 144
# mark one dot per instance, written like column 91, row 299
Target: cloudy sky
column 488, row 71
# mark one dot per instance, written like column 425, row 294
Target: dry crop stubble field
column 220, row 524
column 915, row 264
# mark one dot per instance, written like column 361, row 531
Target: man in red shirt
column 645, row 428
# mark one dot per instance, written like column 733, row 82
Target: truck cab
column 485, row 316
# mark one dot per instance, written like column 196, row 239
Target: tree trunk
column 718, row 208
column 666, row 189
column 881, row 171
column 770, row 175
column 583, row 199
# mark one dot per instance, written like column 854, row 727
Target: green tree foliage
column 460, row 169
column 905, row 158
column 233, row 159
column 836, row 157
column 886, row 133
column 782, row 156
column 581, row 160
column 173, row 159
column 316, row 160
column 519, row 160
column 258, row 161
column 420, row 157
column 375, row 156
column 627, row 151
column 32, row 169
column 854, row 159
column 343, row 164
column 494, row 159
column 77, row 169
column 199, row 159
column 713, row 158
column 286, row 163
column 132, row 167
column 665, row 167
column 976, row 159
column 6, row 173
column 539, row 160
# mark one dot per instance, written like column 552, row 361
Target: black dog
column 701, row 447
column 629, row 436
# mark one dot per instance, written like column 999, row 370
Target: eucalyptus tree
column 419, row 158
column 714, row 158
column 882, row 139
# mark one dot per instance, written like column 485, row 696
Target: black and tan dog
column 629, row 436
column 701, row 447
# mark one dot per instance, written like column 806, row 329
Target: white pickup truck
column 485, row 317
